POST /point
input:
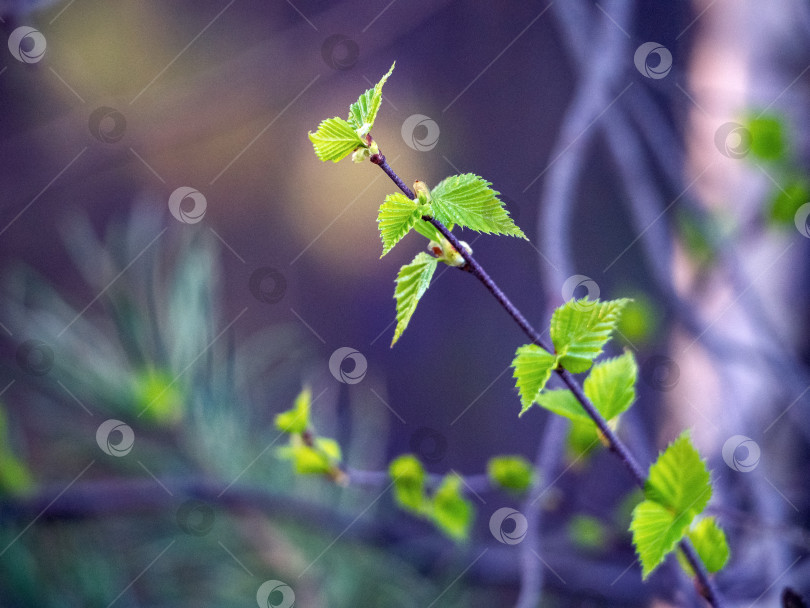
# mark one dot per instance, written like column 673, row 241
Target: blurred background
column 176, row 260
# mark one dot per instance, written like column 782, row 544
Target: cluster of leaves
column 336, row 138
column 309, row 454
column 677, row 491
column 464, row 200
column 446, row 506
column 677, row 488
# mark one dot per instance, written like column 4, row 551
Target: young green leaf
column 429, row 231
column 677, row 490
column 398, row 214
column 329, row 448
column 583, row 438
column 587, row 532
column 451, row 512
column 580, row 328
column 563, row 403
column 533, row 366
column 511, row 472
column 787, row 199
column 335, row 139
column 363, row 112
column 320, row 458
column 611, row 385
column 710, row 543
column 408, row 476
column 766, row 133
column 296, row 419
column 679, row 478
column 467, row 200
column 412, row 282
column 15, row 476
column 656, row 531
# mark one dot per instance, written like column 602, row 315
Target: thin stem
column 706, row 585
column 379, row 159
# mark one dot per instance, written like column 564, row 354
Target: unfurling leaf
column 412, row 282
column 533, row 366
column 363, row 112
column 296, row 419
column 335, row 139
column 581, row 328
column 468, row 200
